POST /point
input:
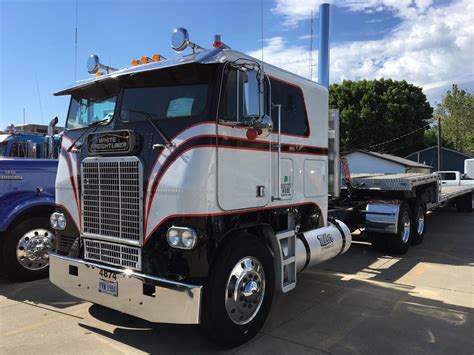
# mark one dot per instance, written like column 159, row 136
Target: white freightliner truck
column 190, row 189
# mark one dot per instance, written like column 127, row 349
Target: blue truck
column 26, row 203
column 17, row 144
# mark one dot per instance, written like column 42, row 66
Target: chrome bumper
column 147, row 297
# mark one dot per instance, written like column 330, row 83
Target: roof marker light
column 135, row 62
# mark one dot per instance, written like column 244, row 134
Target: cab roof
column 209, row 56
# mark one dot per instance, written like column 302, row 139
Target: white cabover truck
column 190, row 189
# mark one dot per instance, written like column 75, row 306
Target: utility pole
column 440, row 160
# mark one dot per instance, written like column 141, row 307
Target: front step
column 286, row 263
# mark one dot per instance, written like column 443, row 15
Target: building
column 452, row 159
column 362, row 161
column 36, row 128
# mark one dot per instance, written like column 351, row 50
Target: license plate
column 108, row 287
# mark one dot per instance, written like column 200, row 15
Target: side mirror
column 94, row 65
column 179, row 39
column 253, row 96
column 264, row 126
column 260, row 128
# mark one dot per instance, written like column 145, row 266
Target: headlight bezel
column 175, row 234
column 55, row 223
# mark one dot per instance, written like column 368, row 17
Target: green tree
column 456, row 112
column 373, row 112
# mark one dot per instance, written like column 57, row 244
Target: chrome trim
column 113, row 253
column 129, row 223
column 171, row 302
column 382, row 217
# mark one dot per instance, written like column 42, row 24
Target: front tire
column 239, row 292
column 26, row 248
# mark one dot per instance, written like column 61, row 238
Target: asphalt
column 362, row 302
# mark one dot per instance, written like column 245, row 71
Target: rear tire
column 464, row 203
column 379, row 241
column 25, row 249
column 239, row 292
column 418, row 224
column 400, row 242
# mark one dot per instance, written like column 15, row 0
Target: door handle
column 260, row 191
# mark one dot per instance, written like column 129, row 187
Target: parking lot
column 362, row 302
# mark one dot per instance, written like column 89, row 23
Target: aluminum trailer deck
column 448, row 193
column 406, row 182
column 391, row 182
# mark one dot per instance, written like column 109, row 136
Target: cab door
column 243, row 165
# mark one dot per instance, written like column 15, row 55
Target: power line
column 400, row 137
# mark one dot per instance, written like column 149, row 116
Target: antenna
column 311, row 49
column 261, row 26
column 39, row 98
column 75, row 44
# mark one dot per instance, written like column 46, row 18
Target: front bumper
column 144, row 296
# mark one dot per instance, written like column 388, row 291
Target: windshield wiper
column 89, row 126
column 149, row 117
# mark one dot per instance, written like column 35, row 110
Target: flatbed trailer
column 392, row 207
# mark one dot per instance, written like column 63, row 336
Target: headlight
column 181, row 237
column 173, row 237
column 61, row 221
column 53, row 220
column 58, row 221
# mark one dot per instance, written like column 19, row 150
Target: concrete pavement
column 362, row 302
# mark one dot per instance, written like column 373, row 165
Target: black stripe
column 336, row 224
column 229, row 142
column 308, row 250
column 290, row 148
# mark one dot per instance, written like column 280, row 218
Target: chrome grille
column 115, row 254
column 112, row 199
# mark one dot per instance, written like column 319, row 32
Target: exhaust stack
column 323, row 53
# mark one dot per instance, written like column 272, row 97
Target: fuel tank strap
column 336, row 224
column 308, row 249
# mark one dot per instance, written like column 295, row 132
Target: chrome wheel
column 421, row 220
column 406, row 226
column 33, row 247
column 245, row 290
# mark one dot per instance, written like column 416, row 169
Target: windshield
column 164, row 102
column 84, row 111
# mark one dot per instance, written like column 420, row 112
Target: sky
column 426, row 42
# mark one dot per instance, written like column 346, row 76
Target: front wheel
column 26, row 249
column 239, row 292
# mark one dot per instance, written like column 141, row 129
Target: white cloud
column 428, row 50
column 295, row 11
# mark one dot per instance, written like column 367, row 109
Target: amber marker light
column 156, row 57
column 145, row 60
column 98, row 73
column 135, row 62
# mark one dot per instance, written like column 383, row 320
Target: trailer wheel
column 464, row 203
column 239, row 292
column 378, row 240
column 400, row 242
column 26, row 249
column 418, row 229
